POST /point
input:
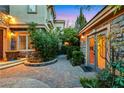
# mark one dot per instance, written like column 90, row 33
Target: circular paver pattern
column 59, row 75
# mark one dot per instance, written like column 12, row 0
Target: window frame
column 32, row 12
column 27, row 42
column 20, row 42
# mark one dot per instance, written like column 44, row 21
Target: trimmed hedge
column 70, row 50
column 77, row 58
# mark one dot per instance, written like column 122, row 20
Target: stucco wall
column 21, row 15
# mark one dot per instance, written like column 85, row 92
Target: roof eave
column 99, row 15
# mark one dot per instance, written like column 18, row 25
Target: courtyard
column 43, row 51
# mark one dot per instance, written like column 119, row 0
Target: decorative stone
column 12, row 55
column 118, row 19
column 118, row 37
column 34, row 57
column 121, row 23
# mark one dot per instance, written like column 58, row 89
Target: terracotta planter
column 12, row 55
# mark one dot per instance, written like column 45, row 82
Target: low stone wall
column 40, row 64
column 24, row 54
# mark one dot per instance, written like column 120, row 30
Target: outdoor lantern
column 12, row 34
column 82, row 37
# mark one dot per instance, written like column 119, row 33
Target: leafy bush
column 70, row 35
column 70, row 49
column 89, row 83
column 45, row 43
column 63, row 50
column 105, row 78
column 77, row 58
column 113, row 77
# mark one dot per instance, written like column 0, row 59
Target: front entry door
column 101, row 51
column 1, row 44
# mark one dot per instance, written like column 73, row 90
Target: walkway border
column 40, row 64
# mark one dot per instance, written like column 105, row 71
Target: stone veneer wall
column 24, row 54
column 83, row 48
column 117, row 41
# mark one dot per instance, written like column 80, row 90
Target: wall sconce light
column 12, row 34
column 82, row 37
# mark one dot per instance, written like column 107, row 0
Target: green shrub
column 110, row 77
column 77, row 58
column 89, row 83
column 70, row 35
column 70, row 49
column 63, row 49
column 113, row 77
column 45, row 43
column 105, row 78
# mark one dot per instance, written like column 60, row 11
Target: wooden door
column 91, row 50
column 1, row 44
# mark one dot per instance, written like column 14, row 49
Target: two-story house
column 15, row 35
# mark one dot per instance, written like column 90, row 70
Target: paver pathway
column 59, row 74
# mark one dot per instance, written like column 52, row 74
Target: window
column 22, row 42
column 32, row 9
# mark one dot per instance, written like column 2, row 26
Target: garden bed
column 40, row 64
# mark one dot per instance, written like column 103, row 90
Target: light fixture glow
column 82, row 37
column 12, row 34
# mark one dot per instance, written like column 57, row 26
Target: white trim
column 27, row 26
column 4, row 42
column 86, row 51
column 26, row 42
column 27, row 50
column 18, row 40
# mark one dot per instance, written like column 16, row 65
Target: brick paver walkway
column 60, row 74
